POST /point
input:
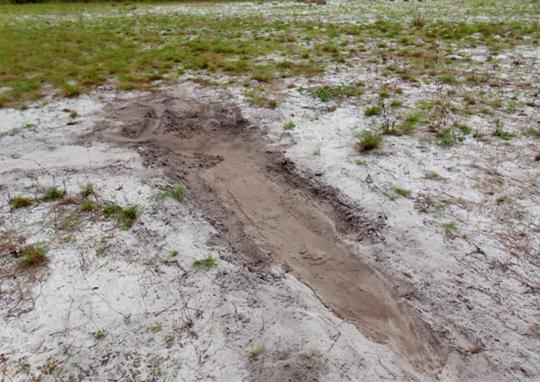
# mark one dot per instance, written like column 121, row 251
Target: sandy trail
column 267, row 213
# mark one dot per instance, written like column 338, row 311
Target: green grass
column 75, row 47
column 404, row 193
column 53, row 193
column 289, row 126
column 177, row 193
column 207, row 262
column 125, row 216
column 32, row 257
column 373, row 110
column 499, row 132
column 368, row 140
column 20, row 201
column 327, row 93
column 88, row 206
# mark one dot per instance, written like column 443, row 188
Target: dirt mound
column 267, row 211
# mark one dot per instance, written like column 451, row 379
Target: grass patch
column 361, row 162
column 289, row 126
column 368, row 140
column 125, row 217
column 88, row 190
column 32, row 257
column 88, row 206
column 374, row 110
column 499, row 132
column 402, row 192
column 53, row 193
column 207, row 262
column 327, row 93
column 451, row 229
column 20, row 202
column 177, row 193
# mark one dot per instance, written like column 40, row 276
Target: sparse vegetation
column 99, row 335
column 499, row 132
column 361, row 162
column 368, row 140
column 53, row 193
column 88, row 205
column 126, row 216
column 289, row 126
column 255, row 352
column 20, row 201
column 177, row 193
column 207, row 262
column 373, row 110
column 402, row 192
column 32, row 256
column 88, row 190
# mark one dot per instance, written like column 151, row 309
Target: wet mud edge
column 267, row 210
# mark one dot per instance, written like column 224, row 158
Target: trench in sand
column 267, row 212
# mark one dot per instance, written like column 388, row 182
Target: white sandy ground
column 162, row 318
column 479, row 290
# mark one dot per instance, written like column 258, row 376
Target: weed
column 361, row 162
column 317, row 152
column 169, row 340
column 99, row 335
column 73, row 114
column 125, row 216
column 255, row 352
column 112, row 209
column 326, row 93
column 499, row 132
column 289, row 126
column 87, row 190
column 173, row 253
column 402, row 192
column 20, row 201
column 208, row 262
column 373, row 110
column 532, row 132
column 448, row 136
column 53, row 193
column 368, row 140
column 28, row 126
column 451, row 229
column 32, row 256
column 432, row 175
column 156, row 328
column 177, row 193
column 87, row 206
column 128, row 216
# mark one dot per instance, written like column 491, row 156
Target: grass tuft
column 177, row 193
column 32, row 256
column 207, row 262
column 125, row 216
column 368, row 140
column 289, row 126
column 53, row 193
column 20, row 202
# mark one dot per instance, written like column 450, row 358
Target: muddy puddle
column 268, row 212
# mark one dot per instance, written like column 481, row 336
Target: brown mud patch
column 266, row 210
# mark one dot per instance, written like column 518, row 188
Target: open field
column 270, row 191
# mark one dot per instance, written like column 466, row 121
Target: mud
column 267, row 211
